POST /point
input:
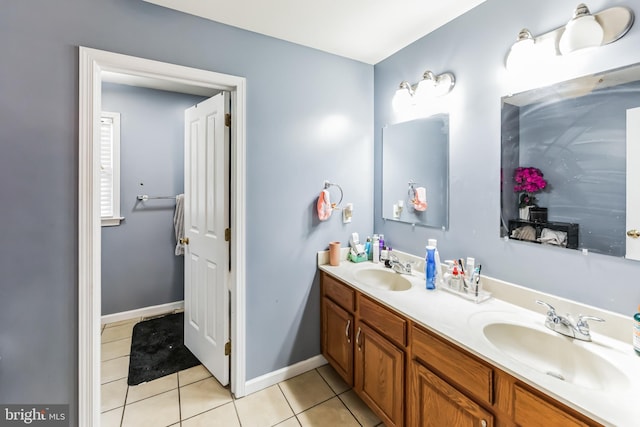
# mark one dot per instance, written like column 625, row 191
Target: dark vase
column 537, row 214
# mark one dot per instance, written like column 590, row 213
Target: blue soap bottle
column 430, row 267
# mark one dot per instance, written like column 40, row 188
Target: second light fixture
column 431, row 86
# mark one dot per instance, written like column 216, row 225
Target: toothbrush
column 464, row 281
column 476, row 274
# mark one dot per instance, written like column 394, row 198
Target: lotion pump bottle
column 439, row 275
column 430, row 268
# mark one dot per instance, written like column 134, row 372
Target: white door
column 206, row 211
column 633, row 178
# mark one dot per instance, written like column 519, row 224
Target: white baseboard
column 267, row 380
column 154, row 310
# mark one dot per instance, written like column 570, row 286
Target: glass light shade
column 521, row 54
column 444, row 84
column 426, row 90
column 580, row 33
column 402, row 99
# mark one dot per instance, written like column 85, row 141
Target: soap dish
column 471, row 296
column 359, row 258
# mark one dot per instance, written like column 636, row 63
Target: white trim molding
column 154, row 310
column 94, row 67
column 272, row 378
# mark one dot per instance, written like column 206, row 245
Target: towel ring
column 328, row 184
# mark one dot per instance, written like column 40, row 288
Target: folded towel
column 525, row 232
column 178, row 224
column 553, row 237
column 420, row 199
column 324, row 205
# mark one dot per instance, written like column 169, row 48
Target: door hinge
column 227, row 120
column 227, row 348
column 227, row 234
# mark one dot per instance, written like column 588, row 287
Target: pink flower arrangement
column 528, row 180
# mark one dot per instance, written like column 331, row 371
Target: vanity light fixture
column 584, row 30
column 431, row 86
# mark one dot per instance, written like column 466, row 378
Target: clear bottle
column 430, row 268
column 446, row 277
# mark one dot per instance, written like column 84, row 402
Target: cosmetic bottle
column 439, row 275
column 636, row 332
column 430, row 268
column 456, row 281
column 468, row 271
column 367, row 247
column 376, row 249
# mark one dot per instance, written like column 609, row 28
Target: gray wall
column 139, row 268
column 473, row 47
column 293, row 93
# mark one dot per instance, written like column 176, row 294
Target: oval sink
column 383, row 279
column 555, row 355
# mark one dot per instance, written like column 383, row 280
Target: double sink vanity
column 419, row 357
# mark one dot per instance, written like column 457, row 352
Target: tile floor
column 193, row 398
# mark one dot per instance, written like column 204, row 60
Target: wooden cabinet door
column 379, row 375
column 337, row 339
column 533, row 410
column 433, row 402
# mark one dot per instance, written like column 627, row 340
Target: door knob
column 184, row 240
column 634, row 234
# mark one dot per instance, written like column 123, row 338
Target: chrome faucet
column 565, row 326
column 397, row 266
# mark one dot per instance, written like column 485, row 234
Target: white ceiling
column 364, row 30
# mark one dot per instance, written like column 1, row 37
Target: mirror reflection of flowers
column 528, row 181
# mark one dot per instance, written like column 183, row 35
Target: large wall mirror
column 415, row 172
column 577, row 134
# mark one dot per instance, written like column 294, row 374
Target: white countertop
column 461, row 321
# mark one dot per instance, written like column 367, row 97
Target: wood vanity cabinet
column 338, row 304
column 447, row 385
column 385, row 357
column 369, row 355
column 380, row 360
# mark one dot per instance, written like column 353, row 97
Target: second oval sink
column 555, row 355
column 383, row 279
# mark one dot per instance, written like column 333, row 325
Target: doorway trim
column 92, row 66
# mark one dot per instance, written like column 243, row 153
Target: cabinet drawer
column 383, row 320
column 529, row 409
column 341, row 294
column 464, row 370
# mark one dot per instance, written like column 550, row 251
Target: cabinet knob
column 483, row 423
column 634, row 234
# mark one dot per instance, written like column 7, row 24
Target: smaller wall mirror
column 415, row 172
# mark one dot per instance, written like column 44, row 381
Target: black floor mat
column 157, row 349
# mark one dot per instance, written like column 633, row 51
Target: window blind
column 109, row 167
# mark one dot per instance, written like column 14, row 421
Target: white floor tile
column 202, row 396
